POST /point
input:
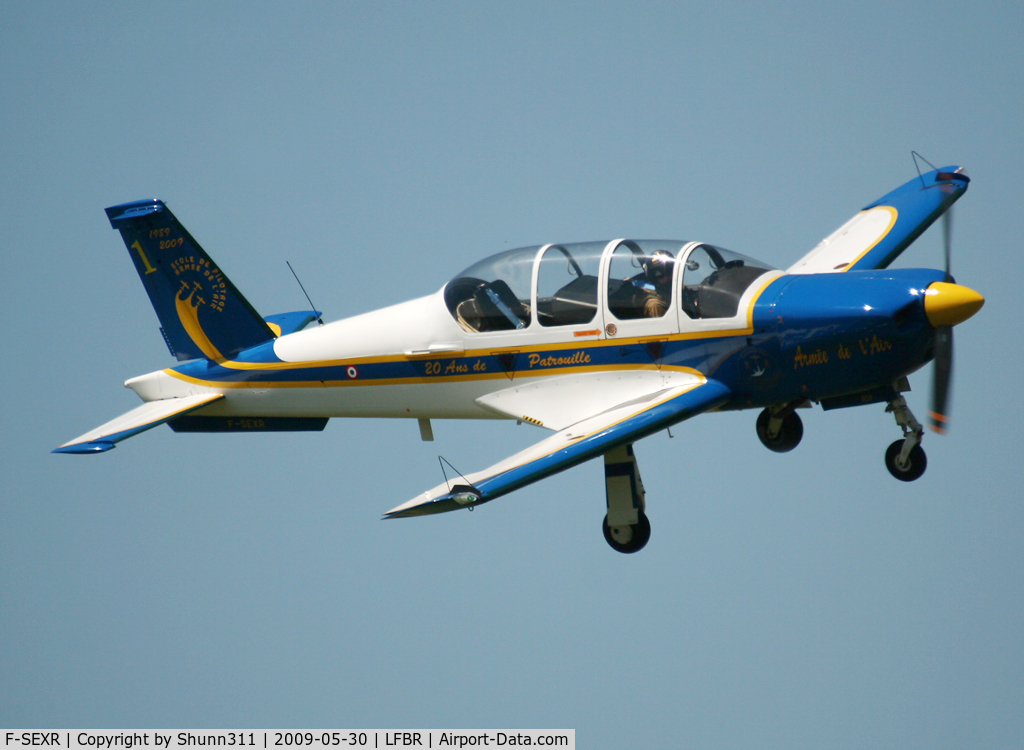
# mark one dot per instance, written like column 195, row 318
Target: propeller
column 942, row 376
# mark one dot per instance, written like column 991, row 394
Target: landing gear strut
column 905, row 459
column 780, row 428
column 626, row 528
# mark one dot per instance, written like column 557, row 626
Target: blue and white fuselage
column 815, row 337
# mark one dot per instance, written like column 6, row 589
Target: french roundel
column 352, row 372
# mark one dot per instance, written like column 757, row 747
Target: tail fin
column 202, row 314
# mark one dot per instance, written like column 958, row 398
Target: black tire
column 917, row 462
column 628, row 539
column 789, row 436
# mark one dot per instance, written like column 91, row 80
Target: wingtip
column 85, row 449
column 461, row 496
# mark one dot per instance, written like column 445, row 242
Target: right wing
column 884, row 229
column 586, row 439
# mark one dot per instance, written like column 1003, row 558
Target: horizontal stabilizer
column 587, row 439
column 150, row 414
column 284, row 323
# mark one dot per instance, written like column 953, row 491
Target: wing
column 884, row 229
column 149, row 415
column 591, row 437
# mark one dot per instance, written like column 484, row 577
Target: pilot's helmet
column 659, row 267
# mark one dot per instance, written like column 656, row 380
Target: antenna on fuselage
column 319, row 318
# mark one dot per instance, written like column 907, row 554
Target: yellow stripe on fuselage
column 469, row 354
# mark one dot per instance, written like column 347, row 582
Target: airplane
column 601, row 343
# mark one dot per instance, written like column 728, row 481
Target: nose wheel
column 905, row 459
column 908, row 469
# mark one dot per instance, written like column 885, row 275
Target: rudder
column 202, row 314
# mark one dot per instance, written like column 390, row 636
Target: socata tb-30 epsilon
column 603, row 343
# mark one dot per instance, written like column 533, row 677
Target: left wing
column 589, row 438
column 884, row 229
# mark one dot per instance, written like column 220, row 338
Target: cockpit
column 596, row 283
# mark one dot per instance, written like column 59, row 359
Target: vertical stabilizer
column 201, row 313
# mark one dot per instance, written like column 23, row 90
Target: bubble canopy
column 561, row 284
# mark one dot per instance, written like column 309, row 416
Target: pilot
column 657, row 283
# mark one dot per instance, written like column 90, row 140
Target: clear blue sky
column 804, row 600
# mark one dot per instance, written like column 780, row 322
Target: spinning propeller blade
column 942, row 377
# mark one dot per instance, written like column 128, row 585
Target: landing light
column 465, row 498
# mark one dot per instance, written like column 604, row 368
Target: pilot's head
column 658, row 268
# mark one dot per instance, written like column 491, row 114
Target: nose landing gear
column 905, row 459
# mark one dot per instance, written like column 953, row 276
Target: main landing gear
column 626, row 527
column 628, row 538
column 780, row 428
column 905, row 459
